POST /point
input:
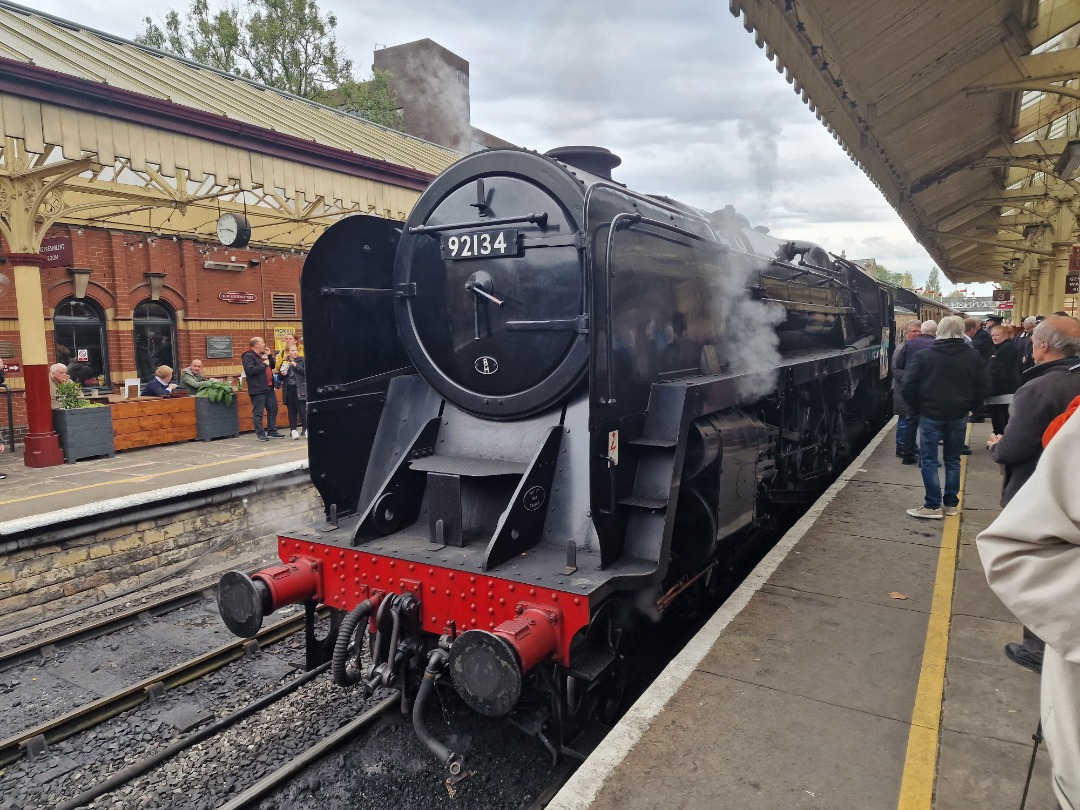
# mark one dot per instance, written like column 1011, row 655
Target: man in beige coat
column 1031, row 555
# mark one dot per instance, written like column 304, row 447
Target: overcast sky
column 678, row 90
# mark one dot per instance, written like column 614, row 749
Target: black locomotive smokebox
column 486, row 672
column 240, row 603
column 592, row 159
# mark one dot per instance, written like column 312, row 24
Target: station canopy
column 138, row 139
column 960, row 112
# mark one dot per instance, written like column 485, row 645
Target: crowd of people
column 949, row 373
column 265, row 372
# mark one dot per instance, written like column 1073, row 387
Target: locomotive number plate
column 481, row 245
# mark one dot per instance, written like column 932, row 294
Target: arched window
column 80, row 337
column 155, row 338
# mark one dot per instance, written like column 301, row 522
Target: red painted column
column 42, row 445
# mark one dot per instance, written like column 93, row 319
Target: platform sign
column 1074, row 259
column 57, row 251
column 1002, row 295
column 1072, row 285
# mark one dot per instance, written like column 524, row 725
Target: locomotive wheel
column 581, row 701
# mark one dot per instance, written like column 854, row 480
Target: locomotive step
column 643, row 442
column 469, row 467
column 645, row 503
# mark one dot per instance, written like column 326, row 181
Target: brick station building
column 117, row 164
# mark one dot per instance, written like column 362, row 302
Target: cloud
column 678, row 90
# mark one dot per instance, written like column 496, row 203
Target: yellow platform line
column 135, row 479
column 920, row 762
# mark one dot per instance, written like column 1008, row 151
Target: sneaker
column 1019, row 654
column 909, row 460
column 262, row 437
column 275, row 435
column 295, row 434
column 926, row 512
column 952, row 511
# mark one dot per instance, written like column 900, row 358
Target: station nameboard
column 237, row 297
column 1072, row 285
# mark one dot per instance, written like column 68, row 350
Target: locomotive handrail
column 613, row 226
column 537, row 219
column 344, row 388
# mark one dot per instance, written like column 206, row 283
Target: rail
column 92, row 714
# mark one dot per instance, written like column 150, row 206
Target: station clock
column 233, row 230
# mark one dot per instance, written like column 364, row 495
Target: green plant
column 217, row 391
column 69, row 395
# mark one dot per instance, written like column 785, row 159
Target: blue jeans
column 907, row 429
column 951, row 433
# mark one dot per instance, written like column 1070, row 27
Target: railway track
column 52, row 644
column 34, row 741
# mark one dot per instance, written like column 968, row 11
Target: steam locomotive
column 546, row 411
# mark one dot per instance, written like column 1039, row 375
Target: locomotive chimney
column 592, row 159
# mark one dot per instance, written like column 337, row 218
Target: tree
column 907, row 281
column 933, row 282
column 373, row 100
column 881, row 272
column 285, row 44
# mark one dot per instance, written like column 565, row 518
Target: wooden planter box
column 215, row 420
column 84, row 432
column 150, row 421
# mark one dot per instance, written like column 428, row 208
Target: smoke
column 759, row 137
column 751, row 349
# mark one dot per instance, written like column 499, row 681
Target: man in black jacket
column 1046, row 390
column 259, row 369
column 984, row 345
column 942, row 385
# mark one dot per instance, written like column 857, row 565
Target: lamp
column 1069, row 161
column 80, row 277
column 157, row 281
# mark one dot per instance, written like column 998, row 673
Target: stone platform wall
column 59, row 576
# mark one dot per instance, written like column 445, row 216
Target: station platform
column 860, row 666
column 48, row 494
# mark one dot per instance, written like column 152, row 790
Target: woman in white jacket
column 1031, row 555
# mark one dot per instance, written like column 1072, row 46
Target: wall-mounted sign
column 237, row 297
column 1002, row 295
column 218, row 347
column 57, row 251
column 1074, row 259
column 82, row 355
column 1072, row 285
column 969, row 304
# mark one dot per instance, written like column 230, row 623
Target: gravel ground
column 391, row 768
column 38, row 691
